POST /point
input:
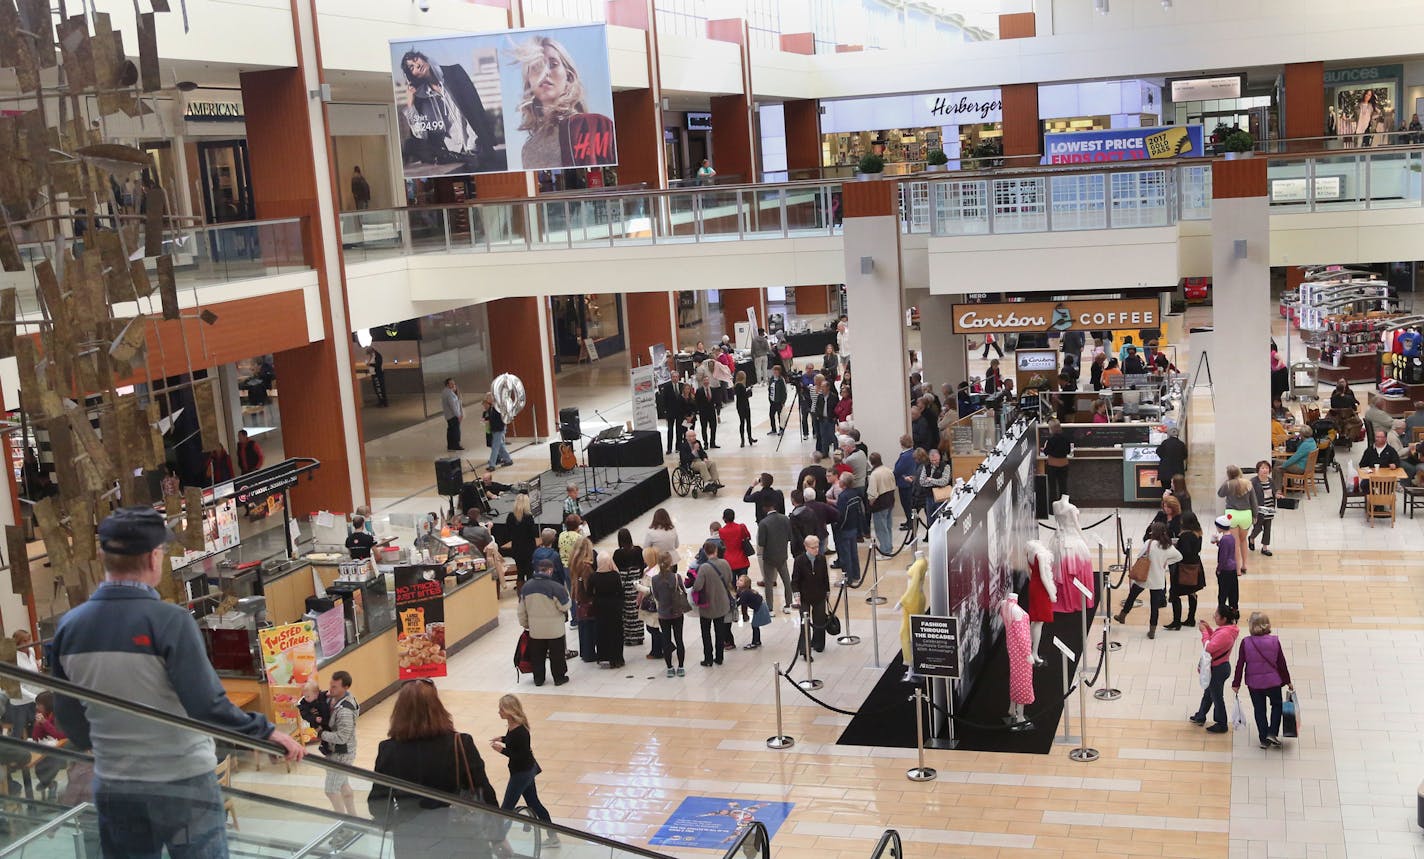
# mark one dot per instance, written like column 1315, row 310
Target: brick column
column 1023, row 132
column 734, row 308
column 733, row 132
column 1305, row 102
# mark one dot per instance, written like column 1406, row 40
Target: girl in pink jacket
column 1219, row 643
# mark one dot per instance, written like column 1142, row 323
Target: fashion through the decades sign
column 1049, row 316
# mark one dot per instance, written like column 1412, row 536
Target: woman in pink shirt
column 1219, row 643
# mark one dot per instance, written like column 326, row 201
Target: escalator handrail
column 889, row 838
column 80, row 693
column 42, row 831
column 756, row 828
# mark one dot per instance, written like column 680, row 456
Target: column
column 640, row 138
column 877, row 313
column 291, row 161
column 941, row 352
column 813, row 300
column 803, row 135
column 736, row 302
column 733, row 132
column 1305, row 102
column 649, row 318
column 521, row 342
column 1023, row 132
column 1241, row 312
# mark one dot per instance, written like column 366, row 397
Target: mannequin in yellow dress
column 913, row 602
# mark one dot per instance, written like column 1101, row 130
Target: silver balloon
column 508, row 395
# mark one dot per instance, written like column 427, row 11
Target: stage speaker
column 569, row 424
column 448, row 479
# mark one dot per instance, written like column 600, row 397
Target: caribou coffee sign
column 1055, row 316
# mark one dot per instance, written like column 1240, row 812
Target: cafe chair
column 1350, row 499
column 1304, row 481
column 1413, row 497
column 224, row 773
column 1324, row 458
column 1380, row 502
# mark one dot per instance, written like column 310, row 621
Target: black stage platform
column 887, row 716
column 615, row 505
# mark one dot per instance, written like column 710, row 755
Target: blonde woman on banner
column 553, row 110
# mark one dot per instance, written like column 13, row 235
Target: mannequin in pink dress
column 1042, row 593
column 1017, row 639
column 1070, row 552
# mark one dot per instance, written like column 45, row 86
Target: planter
column 867, row 177
column 936, row 168
column 1234, row 156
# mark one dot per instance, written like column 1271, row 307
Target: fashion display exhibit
column 1070, row 551
column 913, row 602
column 1017, row 638
column 1042, row 593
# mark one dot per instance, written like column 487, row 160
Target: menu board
column 420, row 621
column 219, row 532
column 289, row 660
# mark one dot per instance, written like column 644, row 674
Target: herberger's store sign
column 1055, row 316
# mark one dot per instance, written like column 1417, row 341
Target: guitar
column 566, row 457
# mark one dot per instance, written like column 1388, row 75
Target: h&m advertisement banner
column 1124, row 144
column 537, row 99
column 420, row 621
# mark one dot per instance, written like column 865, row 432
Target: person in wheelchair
column 691, row 455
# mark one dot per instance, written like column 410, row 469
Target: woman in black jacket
column 523, row 533
column 606, row 587
column 743, row 394
column 517, row 745
column 1189, row 577
column 424, row 748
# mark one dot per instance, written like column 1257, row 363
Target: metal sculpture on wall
column 81, row 341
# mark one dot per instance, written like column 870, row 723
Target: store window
column 585, row 323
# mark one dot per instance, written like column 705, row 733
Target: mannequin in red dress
column 1042, row 593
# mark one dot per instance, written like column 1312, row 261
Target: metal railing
column 889, row 840
column 204, row 256
column 753, row 842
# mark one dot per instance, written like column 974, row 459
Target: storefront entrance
column 227, row 181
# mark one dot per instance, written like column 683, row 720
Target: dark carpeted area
column 887, row 716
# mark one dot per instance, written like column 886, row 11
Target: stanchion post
column 1067, row 713
column 810, row 682
column 875, row 598
column 1107, row 693
column 1084, row 753
column 845, row 637
column 920, row 772
column 781, row 740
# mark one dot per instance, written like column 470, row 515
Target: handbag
column 833, row 625
column 747, row 548
column 481, row 824
column 679, row 601
column 585, row 611
column 1290, row 715
column 762, row 616
column 1140, row 568
column 648, row 604
column 1189, row 575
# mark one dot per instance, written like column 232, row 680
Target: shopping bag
column 1238, row 716
column 1204, row 668
column 1290, row 715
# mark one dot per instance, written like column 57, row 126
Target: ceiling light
column 1166, row 4
column 1101, row 6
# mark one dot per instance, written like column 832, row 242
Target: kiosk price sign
column 934, row 645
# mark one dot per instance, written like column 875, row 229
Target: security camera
column 423, row 5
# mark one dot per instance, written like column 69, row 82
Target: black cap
column 134, row 531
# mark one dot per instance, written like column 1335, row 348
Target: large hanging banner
column 1124, row 144
column 289, row 660
column 420, row 621
column 538, row 99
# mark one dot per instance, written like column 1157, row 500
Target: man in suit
column 762, row 494
column 812, row 581
column 691, row 454
column 670, row 401
column 448, row 123
column 776, row 398
column 706, row 400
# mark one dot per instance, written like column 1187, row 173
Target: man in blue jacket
column 906, row 470
column 155, row 785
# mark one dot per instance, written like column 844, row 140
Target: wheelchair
column 686, row 481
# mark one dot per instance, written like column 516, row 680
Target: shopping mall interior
column 277, row 273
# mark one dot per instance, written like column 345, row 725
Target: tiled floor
column 620, row 749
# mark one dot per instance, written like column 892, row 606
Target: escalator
column 270, row 808
column 754, row 842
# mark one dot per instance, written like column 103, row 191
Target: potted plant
column 871, row 166
column 1239, row 144
column 987, row 152
column 936, row 161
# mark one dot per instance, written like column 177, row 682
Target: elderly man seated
column 1408, row 453
column 691, row 455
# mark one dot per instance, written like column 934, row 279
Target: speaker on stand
column 449, row 478
column 569, row 429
